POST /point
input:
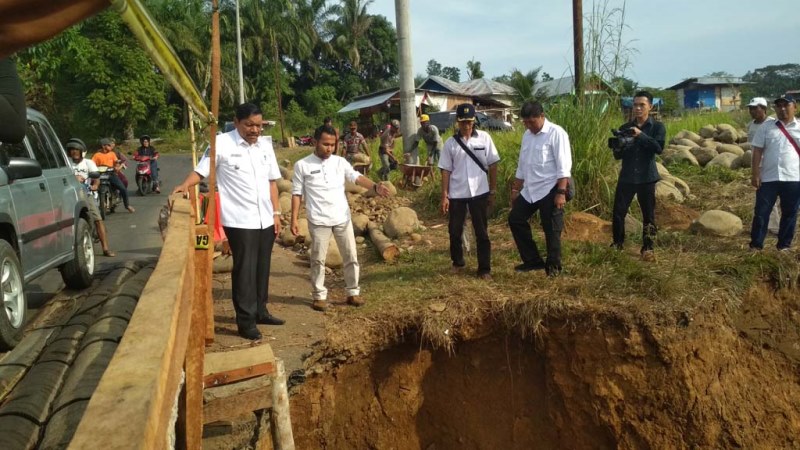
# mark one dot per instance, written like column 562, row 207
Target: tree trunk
column 278, row 85
column 385, row 246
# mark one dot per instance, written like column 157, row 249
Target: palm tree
column 352, row 26
column 525, row 86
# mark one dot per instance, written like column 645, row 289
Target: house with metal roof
column 717, row 93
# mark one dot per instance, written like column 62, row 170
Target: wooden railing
column 133, row 406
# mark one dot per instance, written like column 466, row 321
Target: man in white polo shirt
column 469, row 177
column 541, row 183
column 247, row 171
column 758, row 112
column 320, row 177
column 776, row 174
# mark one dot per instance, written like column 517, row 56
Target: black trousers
column 646, row 193
column 252, row 252
column 477, row 210
column 552, row 220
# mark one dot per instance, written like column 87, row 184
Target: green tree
column 771, row 81
column 452, row 73
column 524, row 85
column 351, row 28
column 474, row 71
column 546, row 77
column 434, row 68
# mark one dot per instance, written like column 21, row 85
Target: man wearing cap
column 82, row 167
column 353, row 143
column 776, row 174
column 386, row 149
column 540, row 184
column 430, row 134
column 469, row 178
column 106, row 157
column 758, row 112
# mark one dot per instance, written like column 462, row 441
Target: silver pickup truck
column 44, row 223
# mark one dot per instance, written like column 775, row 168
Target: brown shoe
column 320, row 305
column 648, row 256
column 356, row 300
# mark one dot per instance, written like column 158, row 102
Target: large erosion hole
column 592, row 386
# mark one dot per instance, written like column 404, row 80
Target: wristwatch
column 561, row 191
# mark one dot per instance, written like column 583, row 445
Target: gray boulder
column 683, row 154
column 668, row 192
column 284, row 185
column 360, row 224
column 727, row 160
column 679, row 184
column 401, row 221
column 746, row 160
column 730, row 148
column 704, row 154
column 718, row 223
column 707, row 132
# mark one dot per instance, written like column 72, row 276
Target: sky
column 671, row 39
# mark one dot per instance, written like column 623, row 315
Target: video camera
column 622, row 139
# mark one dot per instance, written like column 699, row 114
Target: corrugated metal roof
column 709, row 81
column 484, row 87
column 559, row 86
column 448, row 84
column 367, row 101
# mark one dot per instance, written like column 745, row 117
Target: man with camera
column 637, row 143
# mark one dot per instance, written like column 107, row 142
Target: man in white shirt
column 320, row 177
column 82, row 168
column 469, row 177
column 247, row 171
column 776, row 174
column 758, row 112
column 541, row 183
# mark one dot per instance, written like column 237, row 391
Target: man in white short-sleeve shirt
column 776, row 174
column 247, row 171
column 540, row 184
column 469, row 184
column 320, row 178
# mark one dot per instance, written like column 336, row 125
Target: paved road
column 132, row 235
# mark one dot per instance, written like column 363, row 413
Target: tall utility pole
column 408, row 116
column 577, row 37
column 239, row 54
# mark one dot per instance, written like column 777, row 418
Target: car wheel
column 77, row 274
column 15, row 305
column 102, row 198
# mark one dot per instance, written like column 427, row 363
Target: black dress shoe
column 250, row 333
column 270, row 320
column 527, row 267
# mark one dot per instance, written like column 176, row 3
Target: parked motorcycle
column 107, row 197
column 304, row 140
column 144, row 176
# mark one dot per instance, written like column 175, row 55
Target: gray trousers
column 346, row 241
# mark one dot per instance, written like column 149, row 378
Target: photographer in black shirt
column 637, row 144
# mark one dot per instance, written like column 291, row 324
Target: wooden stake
column 282, row 421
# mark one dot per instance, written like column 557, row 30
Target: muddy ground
column 710, row 377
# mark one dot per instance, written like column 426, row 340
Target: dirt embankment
column 715, row 380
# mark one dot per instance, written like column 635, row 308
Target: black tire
column 102, row 196
column 14, row 311
column 77, row 274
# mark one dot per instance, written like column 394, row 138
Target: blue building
column 710, row 93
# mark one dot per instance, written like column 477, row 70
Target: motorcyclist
column 148, row 150
column 107, row 157
column 82, row 168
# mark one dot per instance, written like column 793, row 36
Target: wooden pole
column 195, row 190
column 385, row 246
column 577, row 36
column 284, row 440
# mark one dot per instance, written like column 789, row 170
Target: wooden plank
column 191, row 411
column 141, row 383
column 235, row 406
column 203, row 278
column 228, row 367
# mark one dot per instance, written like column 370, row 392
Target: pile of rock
column 714, row 145
column 381, row 219
column 670, row 187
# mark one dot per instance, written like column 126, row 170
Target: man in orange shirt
column 106, row 157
